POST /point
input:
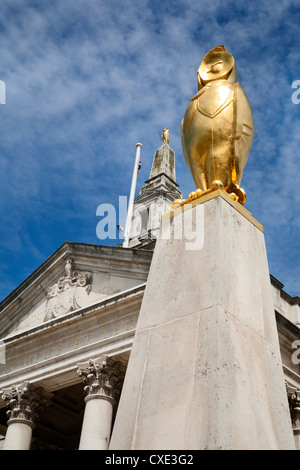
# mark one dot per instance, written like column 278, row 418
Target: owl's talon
column 195, row 194
column 217, row 184
column 175, row 204
column 234, row 197
column 240, row 192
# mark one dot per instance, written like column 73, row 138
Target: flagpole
column 131, row 197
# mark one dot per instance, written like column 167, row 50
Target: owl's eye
column 215, row 67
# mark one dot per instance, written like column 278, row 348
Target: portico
column 53, row 358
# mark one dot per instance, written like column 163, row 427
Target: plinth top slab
column 207, row 197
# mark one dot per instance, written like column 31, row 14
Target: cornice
column 284, row 295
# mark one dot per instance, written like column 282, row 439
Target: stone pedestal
column 205, row 369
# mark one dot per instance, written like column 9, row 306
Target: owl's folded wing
column 242, row 113
column 182, row 143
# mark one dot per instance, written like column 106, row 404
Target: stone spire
column 159, row 192
column 164, row 162
column 162, row 173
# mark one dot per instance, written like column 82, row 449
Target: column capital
column 24, row 402
column 102, row 378
column 294, row 403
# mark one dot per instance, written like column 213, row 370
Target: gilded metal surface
column 217, row 129
column 165, row 135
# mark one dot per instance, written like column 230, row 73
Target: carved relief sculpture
column 68, row 293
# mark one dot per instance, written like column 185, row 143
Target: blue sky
column 88, row 79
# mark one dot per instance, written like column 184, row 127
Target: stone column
column 294, row 402
column 24, row 402
column 102, row 378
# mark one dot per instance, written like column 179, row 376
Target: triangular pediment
column 74, row 277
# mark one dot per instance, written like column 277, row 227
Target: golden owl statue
column 217, row 129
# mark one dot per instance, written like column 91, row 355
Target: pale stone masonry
column 205, row 360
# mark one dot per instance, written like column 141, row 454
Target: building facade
column 67, row 333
